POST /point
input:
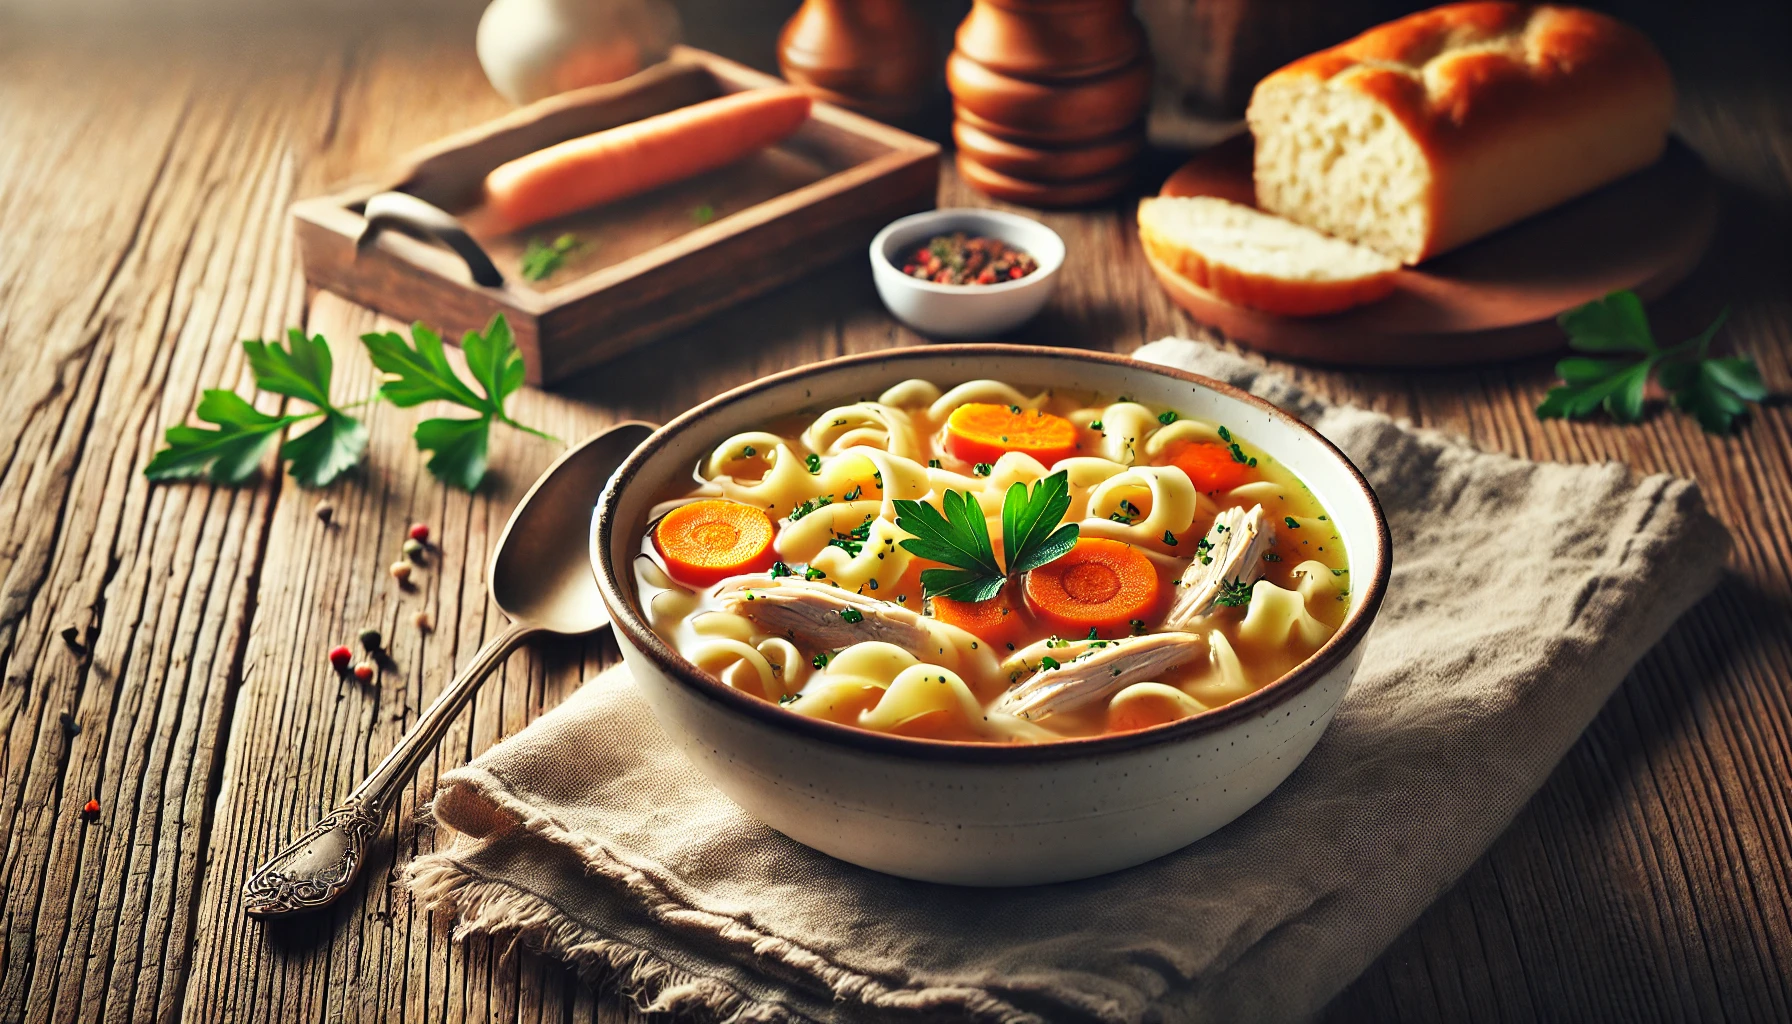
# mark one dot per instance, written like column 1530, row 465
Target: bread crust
column 1514, row 107
column 1262, row 291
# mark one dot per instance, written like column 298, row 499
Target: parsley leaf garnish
column 1616, row 330
column 1031, row 535
column 231, row 453
column 419, row 372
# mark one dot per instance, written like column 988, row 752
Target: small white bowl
column 965, row 310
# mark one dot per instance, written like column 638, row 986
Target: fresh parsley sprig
column 231, row 453
column 419, row 372
column 1616, row 330
column 957, row 535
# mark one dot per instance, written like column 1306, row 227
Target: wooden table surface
column 142, row 202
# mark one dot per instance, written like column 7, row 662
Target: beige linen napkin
column 1522, row 593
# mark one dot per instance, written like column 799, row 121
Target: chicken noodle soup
column 986, row 564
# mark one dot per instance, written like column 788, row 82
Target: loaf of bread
column 1260, row 261
column 1431, row 131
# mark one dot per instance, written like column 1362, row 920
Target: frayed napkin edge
column 479, row 905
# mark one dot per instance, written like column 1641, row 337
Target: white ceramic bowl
column 980, row 814
column 965, row 310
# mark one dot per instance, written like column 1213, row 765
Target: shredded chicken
column 1096, row 670
column 1232, row 553
column 821, row 615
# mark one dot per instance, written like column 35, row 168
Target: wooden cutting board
column 1494, row 299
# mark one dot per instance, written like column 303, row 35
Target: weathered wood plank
column 1649, row 879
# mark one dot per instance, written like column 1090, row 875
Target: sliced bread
column 1431, row 131
column 1259, row 260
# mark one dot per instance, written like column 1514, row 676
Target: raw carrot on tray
column 708, row 541
column 633, row 158
column 1101, row 585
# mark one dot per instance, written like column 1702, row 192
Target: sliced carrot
column 645, row 154
column 1101, row 584
column 979, row 432
column 708, row 541
column 1211, row 467
column 997, row 622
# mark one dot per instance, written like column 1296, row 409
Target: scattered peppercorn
column 959, row 258
column 401, row 571
column 340, row 656
column 90, row 812
column 413, row 549
column 364, row 671
column 324, row 510
column 423, row 621
column 419, row 533
column 370, row 639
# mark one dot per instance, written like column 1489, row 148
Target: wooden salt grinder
column 872, row 56
column 1049, row 98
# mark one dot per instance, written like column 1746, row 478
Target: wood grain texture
column 143, row 201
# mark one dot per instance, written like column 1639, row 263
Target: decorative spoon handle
column 315, row 869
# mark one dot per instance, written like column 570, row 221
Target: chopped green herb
column 851, row 616
column 1046, row 664
column 703, row 214
column 1169, row 538
column 1225, row 435
column 1291, row 522
column 853, row 541
column 779, row 569
column 1271, row 556
column 811, row 505
column 812, row 573
column 790, row 698
column 1167, row 417
column 1233, row 594
column 813, row 461
column 748, row 452
column 820, row 660
column 982, row 469
column 1094, row 424
column 1138, row 625
column 933, row 463
column 540, row 259
column 852, row 495
column 1339, row 572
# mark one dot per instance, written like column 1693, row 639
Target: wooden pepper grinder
column 1049, row 98
column 872, row 56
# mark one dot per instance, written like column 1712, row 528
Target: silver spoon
column 539, row 577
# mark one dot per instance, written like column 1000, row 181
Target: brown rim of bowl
column 1294, row 682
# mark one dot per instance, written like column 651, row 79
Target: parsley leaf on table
column 1714, row 391
column 1615, row 328
column 960, row 537
column 232, row 452
column 420, row 372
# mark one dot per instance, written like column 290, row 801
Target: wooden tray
column 651, row 264
column 1496, row 298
